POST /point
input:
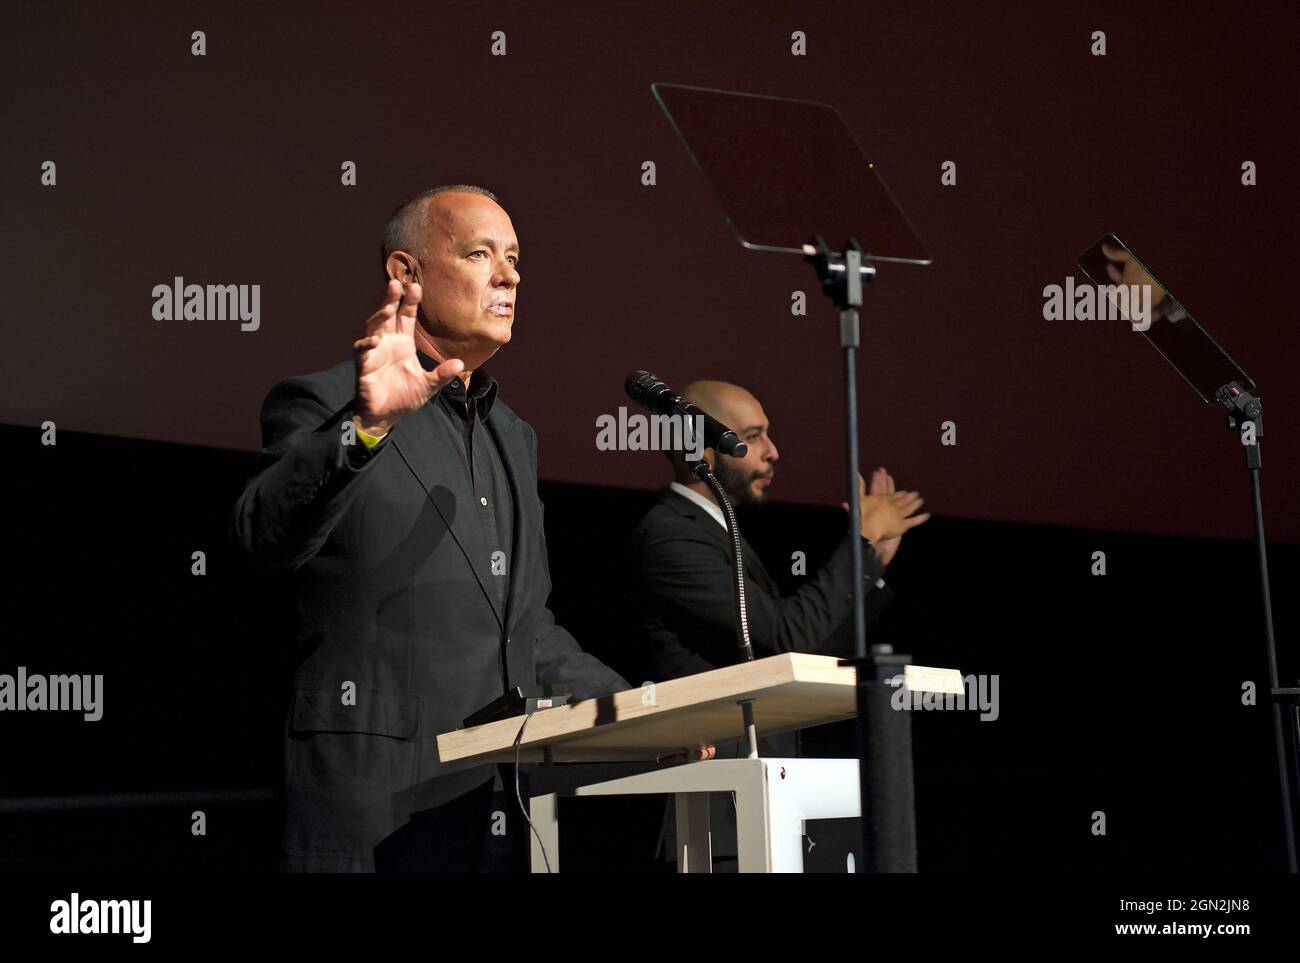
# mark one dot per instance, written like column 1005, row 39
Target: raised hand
column 391, row 382
column 886, row 515
column 882, row 483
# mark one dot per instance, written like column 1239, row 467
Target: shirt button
column 455, row 382
column 482, row 501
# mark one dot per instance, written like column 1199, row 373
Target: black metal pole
column 883, row 736
column 1277, row 696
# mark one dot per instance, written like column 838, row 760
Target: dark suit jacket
column 393, row 592
column 683, row 603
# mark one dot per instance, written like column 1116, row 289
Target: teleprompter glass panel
column 1150, row 307
column 785, row 170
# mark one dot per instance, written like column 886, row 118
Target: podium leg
column 694, row 846
column 544, row 811
column 753, row 821
column 799, row 790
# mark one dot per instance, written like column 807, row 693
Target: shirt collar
column 704, row 503
column 485, row 387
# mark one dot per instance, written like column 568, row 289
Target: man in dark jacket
column 679, row 558
column 681, row 600
column 397, row 502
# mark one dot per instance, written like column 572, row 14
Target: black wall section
column 1119, row 693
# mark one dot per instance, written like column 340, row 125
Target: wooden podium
column 773, row 796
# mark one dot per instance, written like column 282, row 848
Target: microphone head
column 646, row 389
column 634, row 382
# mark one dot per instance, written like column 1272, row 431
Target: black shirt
column 493, row 501
column 466, row 417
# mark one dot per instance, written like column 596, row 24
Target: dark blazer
column 682, row 601
column 393, row 592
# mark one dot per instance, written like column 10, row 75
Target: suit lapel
column 427, row 443
column 753, row 564
column 514, row 454
column 755, row 567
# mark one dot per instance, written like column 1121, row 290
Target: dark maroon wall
column 225, row 169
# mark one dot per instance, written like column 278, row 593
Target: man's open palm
column 391, row 382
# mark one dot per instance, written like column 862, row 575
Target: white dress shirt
column 708, row 504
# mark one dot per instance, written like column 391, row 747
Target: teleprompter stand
column 1245, row 420
column 787, row 170
column 883, row 736
column 1218, row 379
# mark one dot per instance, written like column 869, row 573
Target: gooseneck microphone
column 647, row 390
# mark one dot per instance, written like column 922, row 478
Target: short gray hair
column 403, row 232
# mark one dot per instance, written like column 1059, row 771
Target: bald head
column 745, row 479
column 727, row 402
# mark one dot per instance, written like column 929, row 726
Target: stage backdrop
column 214, row 143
